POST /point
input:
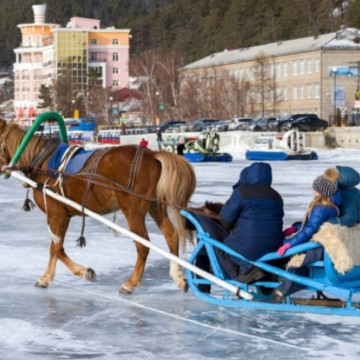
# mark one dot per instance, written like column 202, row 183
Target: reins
column 112, row 185
column 92, row 178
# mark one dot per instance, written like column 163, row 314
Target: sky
column 75, row 319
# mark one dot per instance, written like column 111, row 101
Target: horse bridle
column 4, row 157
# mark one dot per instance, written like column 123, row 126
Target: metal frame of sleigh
column 323, row 279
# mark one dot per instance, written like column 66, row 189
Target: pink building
column 82, row 46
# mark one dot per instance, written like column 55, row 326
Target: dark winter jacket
column 350, row 195
column 319, row 214
column 253, row 214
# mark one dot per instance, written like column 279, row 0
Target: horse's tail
column 176, row 185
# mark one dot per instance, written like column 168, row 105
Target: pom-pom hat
column 327, row 184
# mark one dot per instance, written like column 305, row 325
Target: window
column 294, row 92
column 309, row 66
column 317, row 65
column 285, row 69
column 93, row 56
column 278, row 70
column 272, row 70
column 317, row 91
column 294, row 65
column 115, row 57
column 309, row 91
column 302, row 92
column 302, row 67
column 285, row 93
column 115, row 41
column 115, row 83
column 37, row 74
column 93, row 41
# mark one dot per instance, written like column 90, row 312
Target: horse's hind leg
column 136, row 224
column 57, row 226
column 160, row 216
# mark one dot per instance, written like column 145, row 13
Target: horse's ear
column 12, row 122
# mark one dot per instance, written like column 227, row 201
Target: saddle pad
column 78, row 161
column 75, row 164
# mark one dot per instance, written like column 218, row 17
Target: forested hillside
column 194, row 27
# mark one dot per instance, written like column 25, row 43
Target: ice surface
column 75, row 319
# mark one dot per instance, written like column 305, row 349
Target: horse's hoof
column 41, row 284
column 125, row 290
column 183, row 285
column 90, row 275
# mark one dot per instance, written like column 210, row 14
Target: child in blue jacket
column 319, row 211
column 350, row 197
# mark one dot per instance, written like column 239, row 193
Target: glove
column 282, row 249
column 290, row 230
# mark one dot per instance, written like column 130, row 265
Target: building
column 82, row 48
column 308, row 75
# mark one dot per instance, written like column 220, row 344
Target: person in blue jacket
column 254, row 216
column 350, row 197
column 320, row 210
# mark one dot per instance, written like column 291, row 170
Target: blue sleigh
column 323, row 278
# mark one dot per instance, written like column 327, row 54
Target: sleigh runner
column 340, row 289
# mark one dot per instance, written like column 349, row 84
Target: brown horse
column 134, row 180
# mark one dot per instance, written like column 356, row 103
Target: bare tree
column 264, row 85
column 65, row 94
column 98, row 103
column 215, row 95
column 159, row 76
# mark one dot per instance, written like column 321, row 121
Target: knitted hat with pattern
column 327, row 184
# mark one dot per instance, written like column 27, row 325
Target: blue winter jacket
column 350, row 204
column 319, row 214
column 253, row 214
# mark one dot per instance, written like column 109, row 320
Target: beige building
column 308, row 75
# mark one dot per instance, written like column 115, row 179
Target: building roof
column 348, row 38
column 126, row 93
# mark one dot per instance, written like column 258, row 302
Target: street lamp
column 157, row 120
column 73, row 108
column 334, row 72
column 110, row 110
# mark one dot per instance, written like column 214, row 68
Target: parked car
column 264, row 124
column 220, row 125
column 309, row 123
column 168, row 124
column 284, row 122
column 238, row 123
column 199, row 124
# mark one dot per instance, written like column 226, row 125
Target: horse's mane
column 15, row 135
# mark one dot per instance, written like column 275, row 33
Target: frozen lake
column 75, row 319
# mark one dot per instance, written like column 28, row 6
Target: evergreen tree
column 46, row 100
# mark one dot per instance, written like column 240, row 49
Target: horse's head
column 4, row 154
column 209, row 209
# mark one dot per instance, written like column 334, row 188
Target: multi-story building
column 81, row 47
column 308, row 75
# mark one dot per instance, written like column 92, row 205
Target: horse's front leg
column 58, row 226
